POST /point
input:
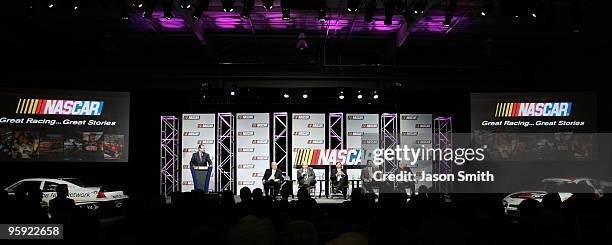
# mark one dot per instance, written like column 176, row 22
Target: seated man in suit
column 272, row 180
column 306, row 176
column 403, row 185
column 339, row 179
column 367, row 176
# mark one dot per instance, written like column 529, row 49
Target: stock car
column 90, row 197
column 563, row 186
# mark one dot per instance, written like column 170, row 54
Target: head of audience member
column 257, row 194
column 551, row 201
column 245, row 194
column 274, row 165
column 227, row 198
column 303, row 194
column 529, row 208
column 299, row 232
column 62, row 191
column 352, row 238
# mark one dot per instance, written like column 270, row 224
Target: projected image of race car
column 563, row 186
column 88, row 196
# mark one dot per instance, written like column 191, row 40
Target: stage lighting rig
column 201, row 6
column 167, row 7
column 267, row 4
column 228, row 5
column 353, row 5
column 247, row 7
column 123, row 9
column 185, row 4
column 389, row 9
column 419, row 6
column 341, row 95
column 375, row 96
column 286, row 11
column 359, row 95
column 486, row 7
column 370, row 10
column 149, row 5
column 451, row 7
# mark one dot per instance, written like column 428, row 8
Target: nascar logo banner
column 363, row 132
column 416, row 132
column 253, row 149
column 197, row 129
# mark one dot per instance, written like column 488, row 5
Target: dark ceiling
column 566, row 40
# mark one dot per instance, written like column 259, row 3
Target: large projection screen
column 252, row 149
column 197, row 129
column 64, row 126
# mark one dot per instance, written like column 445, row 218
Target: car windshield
column 568, row 187
column 80, row 182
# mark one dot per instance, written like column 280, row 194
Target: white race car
column 91, row 197
column 563, row 186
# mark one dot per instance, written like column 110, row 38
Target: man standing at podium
column 272, row 180
column 200, row 159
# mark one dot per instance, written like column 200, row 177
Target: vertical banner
column 196, row 129
column 362, row 132
column 252, row 149
column 308, row 132
column 416, row 132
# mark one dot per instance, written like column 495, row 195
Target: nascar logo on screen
column 542, row 109
column 327, row 157
column 59, row 107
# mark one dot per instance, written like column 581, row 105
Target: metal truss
column 281, row 141
column 169, row 174
column 389, row 139
column 225, row 174
column 336, row 130
column 443, row 139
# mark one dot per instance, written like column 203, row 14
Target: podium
column 201, row 176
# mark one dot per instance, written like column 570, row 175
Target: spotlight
column 267, row 4
column 51, row 3
column 75, row 5
column 359, row 95
column 286, row 11
column 375, row 96
column 486, row 7
column 232, row 93
column 419, row 6
column 167, row 7
column 322, row 15
column 322, row 10
column 389, row 8
column 228, row 5
column 149, row 5
column 247, row 7
column 286, row 14
column 185, row 4
column 353, row 5
column 451, row 7
column 286, row 96
column 305, row 95
column 200, row 8
column 123, row 9
column 341, row 95
column 370, row 10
